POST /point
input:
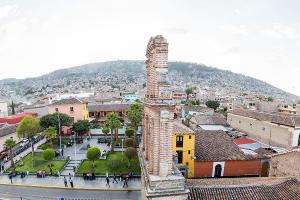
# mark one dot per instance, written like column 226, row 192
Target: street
column 30, row 193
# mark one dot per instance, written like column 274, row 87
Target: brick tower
column 160, row 177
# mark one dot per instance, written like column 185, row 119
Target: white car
column 24, row 142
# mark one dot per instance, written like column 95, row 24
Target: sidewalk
column 99, row 183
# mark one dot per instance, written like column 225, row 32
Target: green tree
column 135, row 114
column 50, row 134
column 48, row 154
column 9, row 144
column 130, row 153
column 105, row 130
column 212, row 104
column 93, row 154
column 270, row 99
column 129, row 132
column 54, row 120
column 188, row 91
column 114, row 123
column 13, row 108
column 81, row 127
column 28, row 128
column 129, row 142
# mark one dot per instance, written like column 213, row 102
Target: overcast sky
column 259, row 38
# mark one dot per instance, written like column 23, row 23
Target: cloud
column 177, row 30
column 8, row 11
column 235, row 29
column 280, row 31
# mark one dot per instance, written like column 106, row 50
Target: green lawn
column 40, row 164
column 55, row 144
column 115, row 163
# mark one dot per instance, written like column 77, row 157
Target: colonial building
column 216, row 155
column 161, row 178
column 282, row 130
column 184, row 147
column 73, row 107
column 101, row 111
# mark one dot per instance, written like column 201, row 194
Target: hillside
column 130, row 75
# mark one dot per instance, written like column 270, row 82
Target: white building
column 3, row 109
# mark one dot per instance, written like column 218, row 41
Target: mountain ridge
column 181, row 74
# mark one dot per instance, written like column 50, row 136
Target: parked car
column 3, row 155
column 24, row 142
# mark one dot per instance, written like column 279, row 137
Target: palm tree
column 113, row 122
column 9, row 144
column 50, row 134
column 135, row 114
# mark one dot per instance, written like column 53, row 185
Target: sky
column 258, row 38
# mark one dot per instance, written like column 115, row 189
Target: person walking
column 71, row 182
column 107, row 182
column 125, row 182
column 65, row 181
column 115, row 178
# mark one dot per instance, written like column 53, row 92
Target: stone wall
column 286, row 165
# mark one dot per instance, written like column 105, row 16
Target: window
column 189, row 151
column 56, row 109
column 187, row 163
column 71, row 109
column 179, row 157
column 179, row 141
column 299, row 140
column 190, row 137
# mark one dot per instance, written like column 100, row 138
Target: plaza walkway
column 79, row 182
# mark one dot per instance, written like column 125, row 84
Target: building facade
column 3, row 109
column 156, row 154
column 282, row 130
column 184, row 148
column 73, row 107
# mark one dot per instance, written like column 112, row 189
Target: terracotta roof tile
column 180, row 128
column 108, row 107
column 217, row 146
column 289, row 189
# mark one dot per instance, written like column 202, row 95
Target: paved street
column 28, row 193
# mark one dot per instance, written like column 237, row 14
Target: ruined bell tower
column 160, row 177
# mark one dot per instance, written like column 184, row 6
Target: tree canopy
column 28, row 127
column 135, row 115
column 105, row 130
column 52, row 120
column 93, row 154
column 129, row 142
column 9, row 144
column 50, row 134
column 48, row 154
column 212, row 104
column 130, row 153
column 81, row 127
column 129, row 132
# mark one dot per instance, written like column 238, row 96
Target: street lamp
column 75, row 134
column 60, row 150
column 122, row 146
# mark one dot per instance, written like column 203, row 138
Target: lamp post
column 75, row 147
column 60, row 150
column 122, row 146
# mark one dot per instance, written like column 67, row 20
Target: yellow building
column 184, row 145
column 85, row 111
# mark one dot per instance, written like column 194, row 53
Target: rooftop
column 180, row 128
column 246, row 189
column 215, row 119
column 107, row 107
column 277, row 118
column 217, row 146
column 67, row 101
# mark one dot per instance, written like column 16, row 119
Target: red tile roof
column 239, row 141
column 14, row 119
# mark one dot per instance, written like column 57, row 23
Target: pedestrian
column 65, row 181
column 107, row 181
column 121, row 176
column 115, row 178
column 74, row 169
column 125, row 182
column 10, row 177
column 70, row 175
column 71, row 182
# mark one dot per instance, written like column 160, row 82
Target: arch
column 299, row 140
column 265, row 169
column 218, row 171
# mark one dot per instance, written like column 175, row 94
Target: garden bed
column 115, row 163
column 40, row 164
